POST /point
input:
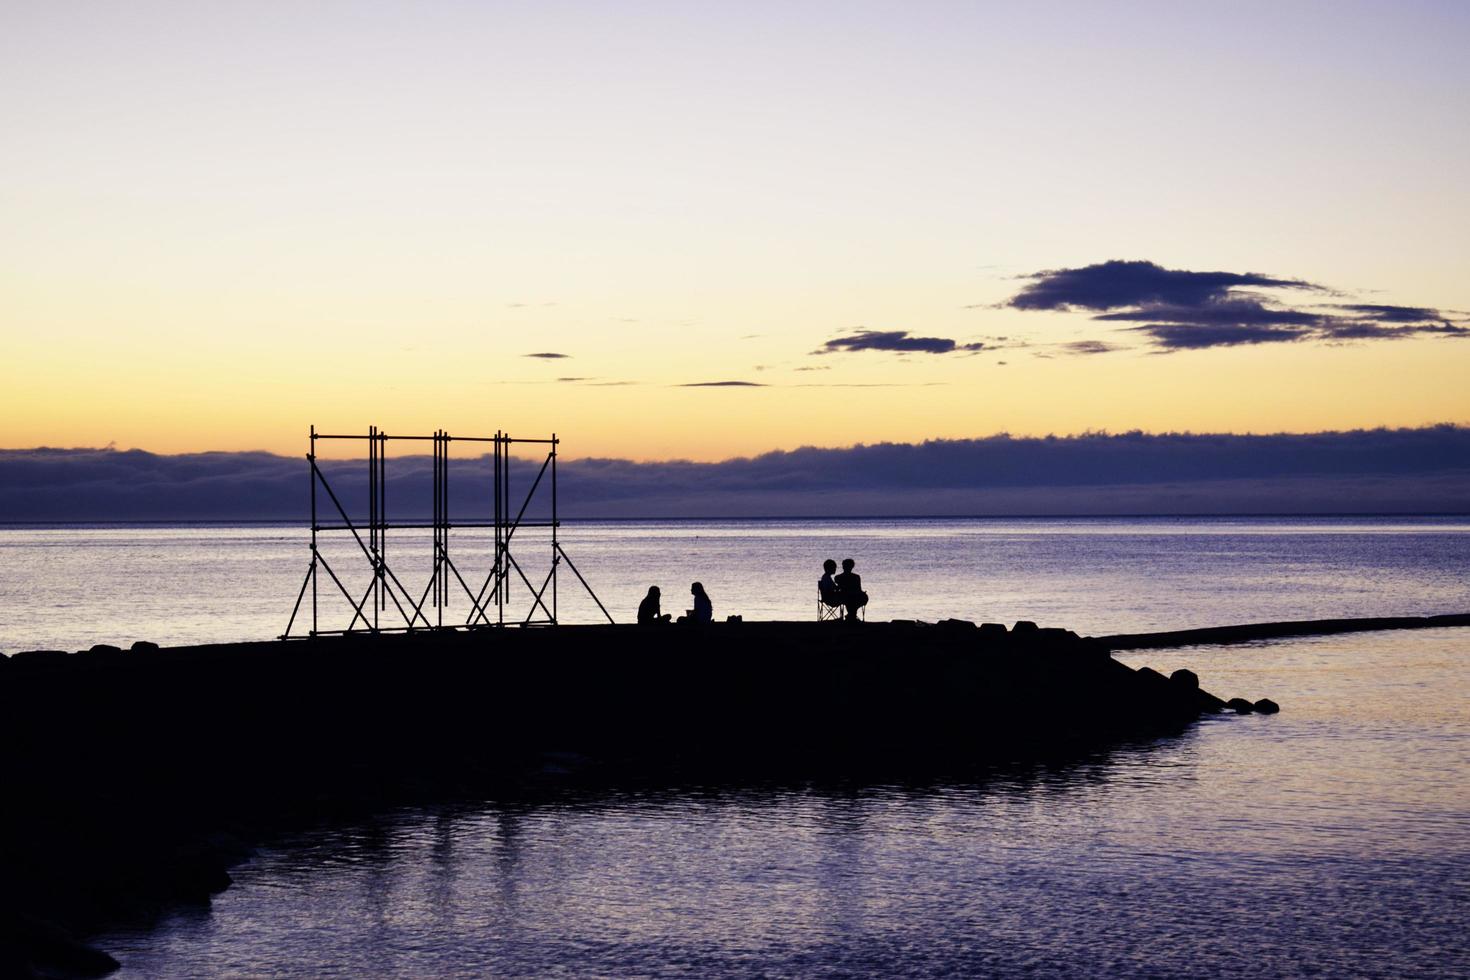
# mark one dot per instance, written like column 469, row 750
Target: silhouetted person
column 850, row 589
column 704, row 610
column 649, row 613
column 827, row 589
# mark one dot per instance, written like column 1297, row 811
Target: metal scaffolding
column 487, row 605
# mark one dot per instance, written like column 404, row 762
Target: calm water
column 1330, row 840
column 67, row 588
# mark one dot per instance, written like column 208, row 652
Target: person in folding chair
column 850, row 590
column 829, row 597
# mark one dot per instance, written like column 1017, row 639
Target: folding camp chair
column 826, row 613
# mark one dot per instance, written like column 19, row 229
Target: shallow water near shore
column 1329, row 840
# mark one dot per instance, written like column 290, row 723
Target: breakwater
column 139, row 776
column 1255, row 632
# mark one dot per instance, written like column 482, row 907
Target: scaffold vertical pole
column 495, row 514
column 443, row 523
column 503, row 566
column 434, row 567
column 372, row 462
column 509, row 524
column 311, row 462
column 382, row 514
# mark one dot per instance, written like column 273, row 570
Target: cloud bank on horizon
column 1424, row 470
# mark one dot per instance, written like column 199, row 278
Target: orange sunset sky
column 220, row 223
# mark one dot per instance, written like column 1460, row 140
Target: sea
column 1330, row 840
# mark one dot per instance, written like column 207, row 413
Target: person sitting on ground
column 827, row 589
column 851, row 585
column 648, row 610
column 704, row 610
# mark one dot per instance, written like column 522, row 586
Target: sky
column 738, row 228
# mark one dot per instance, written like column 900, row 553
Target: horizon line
column 1193, row 515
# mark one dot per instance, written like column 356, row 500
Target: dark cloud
column 1392, row 314
column 1424, row 469
column 1118, row 283
column 1369, row 330
column 571, row 380
column 895, row 340
column 723, row 384
column 1087, row 347
column 1225, row 322
column 548, row 355
column 1177, row 309
column 1186, row 336
column 1236, row 311
column 1375, row 321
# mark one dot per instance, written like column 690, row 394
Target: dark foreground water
column 1330, row 840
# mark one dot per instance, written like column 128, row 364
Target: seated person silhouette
column 850, row 590
column 648, row 609
column 704, row 610
column 827, row 589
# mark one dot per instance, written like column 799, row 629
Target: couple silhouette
column 843, row 591
column 650, row 614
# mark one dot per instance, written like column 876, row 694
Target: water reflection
column 1329, row 840
column 645, row 872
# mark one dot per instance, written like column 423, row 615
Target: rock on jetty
column 136, row 777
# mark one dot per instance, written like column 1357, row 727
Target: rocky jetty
column 1255, row 632
column 137, row 777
